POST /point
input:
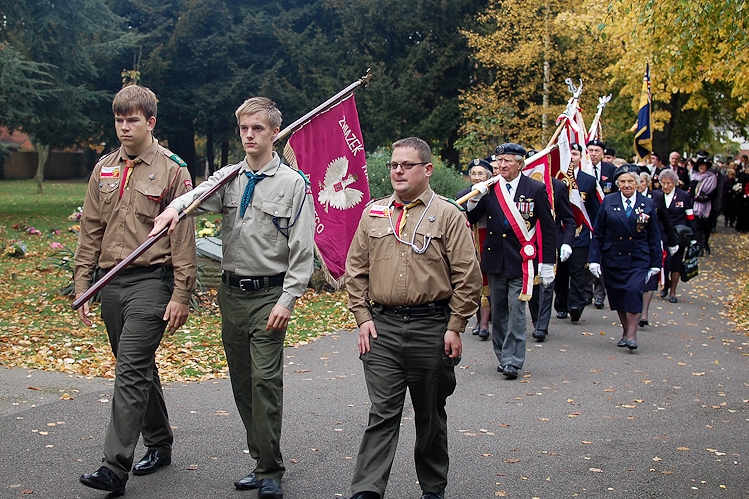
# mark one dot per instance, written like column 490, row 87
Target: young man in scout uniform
column 518, row 218
column 413, row 281
column 127, row 189
column 267, row 236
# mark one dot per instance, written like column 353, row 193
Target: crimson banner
column 330, row 151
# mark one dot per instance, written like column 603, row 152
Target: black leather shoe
column 484, row 334
column 432, row 495
column 672, row 299
column 632, row 345
column 643, row 322
column 104, row 479
column 247, row 483
column 270, row 488
column 510, row 372
column 664, row 293
column 575, row 314
column 539, row 335
column 500, row 369
column 599, row 303
column 152, row 461
column 475, row 331
column 561, row 314
column 364, row 495
column 622, row 343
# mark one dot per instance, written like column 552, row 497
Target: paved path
column 586, row 419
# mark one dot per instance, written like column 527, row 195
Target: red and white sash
column 526, row 237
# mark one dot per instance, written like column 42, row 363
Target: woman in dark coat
column 626, row 249
column 742, row 217
column 731, row 194
column 679, row 209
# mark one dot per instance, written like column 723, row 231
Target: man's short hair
column 135, row 98
column 421, row 147
column 260, row 104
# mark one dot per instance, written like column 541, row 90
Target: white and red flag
column 330, row 151
column 554, row 162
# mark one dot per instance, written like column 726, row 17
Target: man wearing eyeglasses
column 519, row 225
column 413, row 281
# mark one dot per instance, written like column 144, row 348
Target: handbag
column 683, row 234
column 691, row 268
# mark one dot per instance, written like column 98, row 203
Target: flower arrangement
column 15, row 249
column 206, row 228
column 76, row 215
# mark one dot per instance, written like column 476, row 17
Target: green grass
column 39, row 330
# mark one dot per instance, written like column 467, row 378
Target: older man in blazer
column 519, row 226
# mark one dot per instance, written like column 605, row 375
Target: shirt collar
column 424, row 196
column 514, row 182
column 269, row 169
column 146, row 156
column 624, row 198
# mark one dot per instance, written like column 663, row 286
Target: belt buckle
column 250, row 284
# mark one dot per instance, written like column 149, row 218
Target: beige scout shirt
column 383, row 270
column 253, row 246
column 112, row 227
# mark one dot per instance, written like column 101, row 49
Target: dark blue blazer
column 680, row 211
column 586, row 184
column 607, row 178
column 616, row 241
column 564, row 218
column 501, row 250
column 668, row 234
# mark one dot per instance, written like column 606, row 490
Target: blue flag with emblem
column 644, row 129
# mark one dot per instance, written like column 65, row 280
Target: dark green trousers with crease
column 255, row 359
column 407, row 353
column 132, row 307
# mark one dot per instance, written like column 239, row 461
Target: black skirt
column 625, row 288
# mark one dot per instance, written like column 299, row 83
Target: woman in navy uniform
column 679, row 209
column 626, row 249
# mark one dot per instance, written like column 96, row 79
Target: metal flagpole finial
column 575, row 91
column 365, row 79
column 603, row 100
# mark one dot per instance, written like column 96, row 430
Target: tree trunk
column 43, row 152
column 183, row 145
column 209, row 152
column 224, row 153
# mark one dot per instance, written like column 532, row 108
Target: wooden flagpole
column 83, row 298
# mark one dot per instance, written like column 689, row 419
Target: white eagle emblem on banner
column 335, row 191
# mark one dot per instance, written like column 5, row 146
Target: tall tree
column 698, row 52
column 524, row 50
column 72, row 39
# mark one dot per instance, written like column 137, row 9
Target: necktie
column 252, row 179
column 509, row 188
column 595, row 169
column 628, row 209
column 129, row 166
column 401, row 223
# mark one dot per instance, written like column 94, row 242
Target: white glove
column 673, row 249
column 565, row 252
column 595, row 269
column 482, row 189
column 693, row 242
column 546, row 271
column 653, row 271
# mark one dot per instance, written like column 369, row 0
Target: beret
column 577, row 147
column 490, row 158
column 626, row 168
column 596, row 142
column 510, row 148
column 481, row 162
column 530, row 153
column 609, row 151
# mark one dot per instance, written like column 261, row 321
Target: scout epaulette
column 304, row 176
column 453, row 202
column 169, row 154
